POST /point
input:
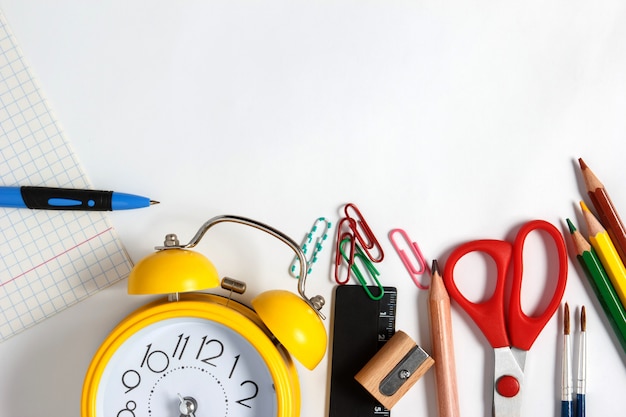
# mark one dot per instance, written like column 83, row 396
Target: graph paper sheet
column 49, row 260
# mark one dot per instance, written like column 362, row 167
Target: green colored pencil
column 600, row 283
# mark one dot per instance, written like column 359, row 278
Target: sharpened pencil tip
column 566, row 319
column 583, row 320
column 582, row 164
column 571, row 226
column 153, row 202
column 435, row 268
column 583, row 206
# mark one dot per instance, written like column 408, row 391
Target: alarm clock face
column 186, row 366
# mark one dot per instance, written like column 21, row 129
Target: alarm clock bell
column 300, row 331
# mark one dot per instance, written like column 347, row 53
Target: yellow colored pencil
column 602, row 243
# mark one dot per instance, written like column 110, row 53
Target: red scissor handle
column 523, row 329
column 489, row 314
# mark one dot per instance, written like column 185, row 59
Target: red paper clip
column 343, row 235
column 366, row 238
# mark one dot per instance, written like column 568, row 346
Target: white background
column 453, row 120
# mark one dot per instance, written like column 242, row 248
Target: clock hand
column 187, row 406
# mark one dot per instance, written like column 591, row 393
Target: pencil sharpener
column 394, row 369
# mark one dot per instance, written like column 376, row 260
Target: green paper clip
column 369, row 266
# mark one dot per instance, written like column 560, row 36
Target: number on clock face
column 186, row 367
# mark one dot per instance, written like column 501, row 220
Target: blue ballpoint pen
column 49, row 198
column 567, row 409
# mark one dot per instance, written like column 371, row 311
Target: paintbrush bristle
column 583, row 320
column 566, row 319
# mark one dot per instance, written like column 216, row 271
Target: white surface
column 455, row 121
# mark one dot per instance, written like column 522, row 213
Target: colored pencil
column 581, row 386
column 443, row 346
column 600, row 284
column 607, row 253
column 567, row 409
column 607, row 214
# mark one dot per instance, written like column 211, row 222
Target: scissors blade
column 520, row 357
column 508, row 381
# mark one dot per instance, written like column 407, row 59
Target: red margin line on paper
column 55, row 257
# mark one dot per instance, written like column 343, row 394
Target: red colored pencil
column 607, row 214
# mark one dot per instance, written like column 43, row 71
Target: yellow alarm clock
column 196, row 354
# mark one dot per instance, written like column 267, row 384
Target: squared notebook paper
column 49, row 260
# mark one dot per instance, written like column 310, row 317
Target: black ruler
column 361, row 326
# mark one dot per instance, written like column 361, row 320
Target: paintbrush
column 566, row 370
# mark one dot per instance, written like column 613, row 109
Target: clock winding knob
column 317, row 302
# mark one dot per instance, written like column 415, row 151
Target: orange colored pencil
column 607, row 214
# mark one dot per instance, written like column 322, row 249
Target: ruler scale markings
column 361, row 327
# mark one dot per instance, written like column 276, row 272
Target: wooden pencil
column 600, row 284
column 602, row 243
column 443, row 346
column 607, row 214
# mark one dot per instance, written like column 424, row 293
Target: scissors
column 511, row 335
